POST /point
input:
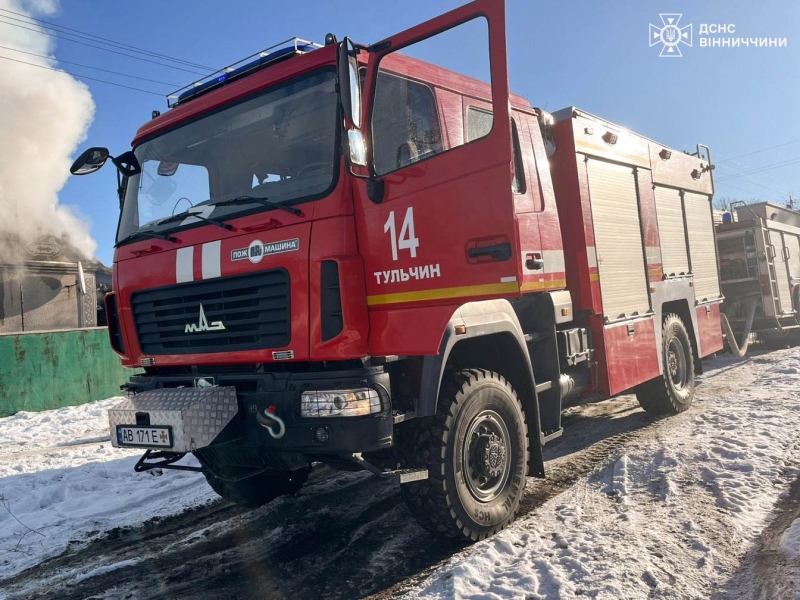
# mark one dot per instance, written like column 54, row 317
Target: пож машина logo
column 670, row 35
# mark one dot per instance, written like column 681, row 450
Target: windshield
column 279, row 145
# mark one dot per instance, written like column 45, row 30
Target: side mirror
column 90, row 161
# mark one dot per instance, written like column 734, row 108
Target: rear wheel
column 259, row 489
column 476, row 452
column 673, row 391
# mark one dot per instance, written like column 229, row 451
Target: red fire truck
column 345, row 254
column 759, row 255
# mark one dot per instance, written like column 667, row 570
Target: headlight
column 340, row 403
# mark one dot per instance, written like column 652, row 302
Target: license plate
column 144, row 437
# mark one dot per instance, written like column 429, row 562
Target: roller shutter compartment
column 618, row 239
column 782, row 271
column 702, row 246
column 671, row 231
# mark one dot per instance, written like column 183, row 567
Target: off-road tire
column 672, row 392
column 471, row 403
column 259, row 489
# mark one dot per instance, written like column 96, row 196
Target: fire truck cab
column 346, row 254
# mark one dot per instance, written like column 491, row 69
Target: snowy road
column 700, row 505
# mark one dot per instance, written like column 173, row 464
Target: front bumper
column 255, row 392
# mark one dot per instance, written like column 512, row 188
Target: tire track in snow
column 767, row 572
column 344, row 535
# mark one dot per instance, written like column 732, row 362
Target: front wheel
column 476, row 452
column 673, row 391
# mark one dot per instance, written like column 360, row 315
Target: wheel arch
column 487, row 335
column 689, row 318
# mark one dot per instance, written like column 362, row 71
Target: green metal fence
column 51, row 369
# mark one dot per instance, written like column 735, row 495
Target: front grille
column 254, row 310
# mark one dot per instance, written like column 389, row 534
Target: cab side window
column 405, row 124
column 518, row 185
column 479, row 124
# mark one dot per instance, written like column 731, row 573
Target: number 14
column 407, row 240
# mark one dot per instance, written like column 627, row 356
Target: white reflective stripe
column 653, row 254
column 508, row 279
column 184, row 264
column 591, row 256
column 553, row 261
column 211, row 254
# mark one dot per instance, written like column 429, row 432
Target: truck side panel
column 552, row 275
column 571, row 183
column 631, row 345
column 650, row 231
column 615, row 253
column 709, row 329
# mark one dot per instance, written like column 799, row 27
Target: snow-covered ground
column 674, row 509
column 670, row 518
column 62, row 483
column 790, row 541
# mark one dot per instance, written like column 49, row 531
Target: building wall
column 45, row 370
column 41, row 299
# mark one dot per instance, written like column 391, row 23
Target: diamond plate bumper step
column 405, row 475
column 196, row 415
column 396, row 476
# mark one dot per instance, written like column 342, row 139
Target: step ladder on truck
column 383, row 263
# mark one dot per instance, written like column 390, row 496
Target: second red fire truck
column 345, row 254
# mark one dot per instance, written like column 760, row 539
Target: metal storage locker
column 702, row 246
column 671, row 231
column 781, row 270
column 618, row 239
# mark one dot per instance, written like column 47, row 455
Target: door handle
column 534, row 262
column 498, row 252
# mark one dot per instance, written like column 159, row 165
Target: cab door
column 436, row 223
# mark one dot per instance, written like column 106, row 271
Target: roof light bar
column 283, row 49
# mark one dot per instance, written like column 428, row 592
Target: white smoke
column 44, row 115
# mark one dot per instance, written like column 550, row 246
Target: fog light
column 339, row 403
column 322, row 435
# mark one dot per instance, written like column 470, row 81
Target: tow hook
column 268, row 419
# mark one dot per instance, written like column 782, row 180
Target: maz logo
column 203, row 325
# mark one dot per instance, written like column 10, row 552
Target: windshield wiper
column 262, row 201
column 150, row 234
column 187, row 214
